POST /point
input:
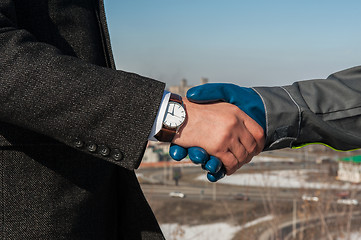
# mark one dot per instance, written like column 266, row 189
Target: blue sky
column 250, row 43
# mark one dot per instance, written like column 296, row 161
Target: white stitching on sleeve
column 299, row 112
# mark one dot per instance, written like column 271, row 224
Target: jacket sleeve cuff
column 283, row 117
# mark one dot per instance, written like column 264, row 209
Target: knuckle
column 233, row 121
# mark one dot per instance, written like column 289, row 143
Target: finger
column 198, row 155
column 257, row 135
column 177, row 152
column 243, row 146
column 213, row 165
column 229, row 161
column 246, row 139
column 216, row 176
column 208, row 93
column 247, row 160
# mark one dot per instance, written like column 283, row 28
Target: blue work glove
column 198, row 155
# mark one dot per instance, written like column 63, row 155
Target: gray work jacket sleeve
column 324, row 111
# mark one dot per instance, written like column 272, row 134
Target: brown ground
column 197, row 212
column 186, row 211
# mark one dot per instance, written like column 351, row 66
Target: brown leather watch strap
column 176, row 98
column 167, row 134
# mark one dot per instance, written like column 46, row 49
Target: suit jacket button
column 104, row 151
column 78, row 143
column 92, row 147
column 117, row 155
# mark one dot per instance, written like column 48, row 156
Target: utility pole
column 294, row 218
column 164, row 173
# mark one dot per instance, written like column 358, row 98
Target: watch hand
column 171, row 112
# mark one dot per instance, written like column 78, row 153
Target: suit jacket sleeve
column 71, row 100
column 324, row 111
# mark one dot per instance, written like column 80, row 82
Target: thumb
column 207, row 93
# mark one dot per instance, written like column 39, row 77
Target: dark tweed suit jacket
column 72, row 128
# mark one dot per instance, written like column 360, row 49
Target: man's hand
column 224, row 131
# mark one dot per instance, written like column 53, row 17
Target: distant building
column 349, row 169
column 184, row 87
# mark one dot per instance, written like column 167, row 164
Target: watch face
column 175, row 115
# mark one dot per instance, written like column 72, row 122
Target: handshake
column 225, row 128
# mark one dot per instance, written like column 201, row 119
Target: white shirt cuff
column 158, row 122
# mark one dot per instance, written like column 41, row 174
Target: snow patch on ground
column 258, row 159
column 175, row 231
column 222, row 231
column 280, row 179
column 257, row 221
column 353, row 236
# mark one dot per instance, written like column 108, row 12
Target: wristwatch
column 173, row 119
